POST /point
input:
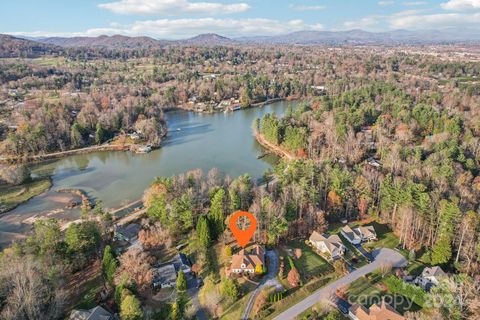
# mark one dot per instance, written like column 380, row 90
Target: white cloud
column 386, row 3
column 307, row 8
column 172, row 7
column 461, row 5
column 433, row 21
column 183, row 28
column 414, row 3
column 366, row 23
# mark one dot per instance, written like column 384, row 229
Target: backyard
column 371, row 289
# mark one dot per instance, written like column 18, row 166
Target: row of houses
column 333, row 246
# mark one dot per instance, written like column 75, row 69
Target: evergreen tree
column 130, row 308
column 216, row 215
column 99, row 133
column 109, row 264
column 181, row 281
column 203, row 232
column 448, row 215
column 230, row 288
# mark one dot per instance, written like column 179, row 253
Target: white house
column 352, row 235
column 367, row 233
column 332, row 245
column 359, row 234
column 430, row 277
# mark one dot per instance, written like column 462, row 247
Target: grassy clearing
column 310, row 263
column 12, row 196
column 386, row 238
column 371, row 289
column 235, row 311
column 90, row 291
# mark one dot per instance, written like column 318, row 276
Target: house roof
column 332, row 243
column 180, row 260
column 433, row 272
column 250, row 259
column 130, row 231
column 381, row 311
column 97, row 313
column 351, row 234
column 367, row 231
column 164, row 274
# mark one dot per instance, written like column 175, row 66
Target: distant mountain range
column 351, row 37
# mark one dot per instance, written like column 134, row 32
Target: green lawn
column 310, row 263
column 369, row 290
column 12, row 196
column 90, row 291
column 235, row 311
column 386, row 237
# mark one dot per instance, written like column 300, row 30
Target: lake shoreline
column 113, row 147
column 273, row 148
column 26, row 187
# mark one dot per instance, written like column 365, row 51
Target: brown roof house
column 333, row 245
column 246, row 260
column 382, row 311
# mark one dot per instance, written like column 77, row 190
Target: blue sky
column 185, row 18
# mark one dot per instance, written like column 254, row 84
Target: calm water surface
column 204, row 141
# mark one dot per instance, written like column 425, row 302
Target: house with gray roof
column 97, row 313
column 430, row 277
column 331, row 245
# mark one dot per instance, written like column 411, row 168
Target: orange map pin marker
column 243, row 236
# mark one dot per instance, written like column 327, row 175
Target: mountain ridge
column 304, row 37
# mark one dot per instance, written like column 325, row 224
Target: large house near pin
column 380, row 311
column 247, row 261
column 331, row 245
column 359, row 234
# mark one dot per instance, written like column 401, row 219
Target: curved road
column 382, row 257
column 268, row 281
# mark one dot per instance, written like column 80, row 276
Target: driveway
column 364, row 252
column 270, row 280
column 193, row 294
column 381, row 256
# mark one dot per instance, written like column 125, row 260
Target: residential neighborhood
column 240, row 160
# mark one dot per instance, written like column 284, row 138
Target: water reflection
column 219, row 140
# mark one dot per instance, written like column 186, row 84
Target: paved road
column 364, row 252
column 269, row 280
column 193, row 294
column 382, row 257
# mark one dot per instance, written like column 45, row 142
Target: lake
column 205, row 141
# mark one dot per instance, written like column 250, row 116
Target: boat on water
column 143, row 149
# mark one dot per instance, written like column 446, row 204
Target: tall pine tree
column 203, row 232
column 216, row 215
